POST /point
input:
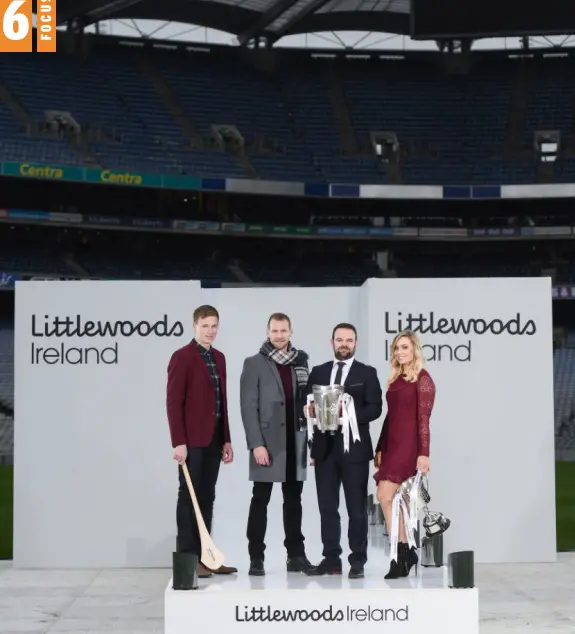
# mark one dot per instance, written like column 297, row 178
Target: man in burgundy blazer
column 197, row 408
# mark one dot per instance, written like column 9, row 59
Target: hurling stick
column 211, row 557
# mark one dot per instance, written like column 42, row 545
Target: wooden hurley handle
column 211, row 557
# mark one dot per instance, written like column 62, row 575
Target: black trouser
column 330, row 474
column 204, row 466
column 292, row 516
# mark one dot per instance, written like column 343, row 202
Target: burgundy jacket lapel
column 199, row 362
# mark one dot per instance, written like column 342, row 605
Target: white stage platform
column 421, row 603
column 513, row 599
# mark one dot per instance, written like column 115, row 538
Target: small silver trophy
column 327, row 402
column 435, row 523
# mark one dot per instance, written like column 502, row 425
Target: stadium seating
column 176, row 267
column 316, row 271
column 564, row 382
column 452, row 128
column 465, row 265
column 6, row 440
column 333, row 271
column 6, row 364
column 266, row 264
column 34, row 261
column 6, row 390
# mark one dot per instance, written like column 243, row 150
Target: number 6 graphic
column 15, row 26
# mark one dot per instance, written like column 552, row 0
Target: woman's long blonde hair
column 412, row 371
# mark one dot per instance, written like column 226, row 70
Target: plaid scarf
column 291, row 356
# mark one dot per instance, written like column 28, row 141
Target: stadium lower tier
column 275, row 262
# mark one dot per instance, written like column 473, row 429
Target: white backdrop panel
column 492, row 430
column 94, row 480
column 95, row 484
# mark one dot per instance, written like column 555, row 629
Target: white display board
column 93, row 479
column 402, row 610
column 95, row 484
column 489, row 345
column 93, row 459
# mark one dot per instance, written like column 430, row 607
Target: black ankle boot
column 397, row 568
column 407, row 557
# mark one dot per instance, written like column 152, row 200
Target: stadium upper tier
column 302, row 119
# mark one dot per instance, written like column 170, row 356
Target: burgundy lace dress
column 405, row 432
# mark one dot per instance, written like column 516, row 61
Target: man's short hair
column 346, row 326
column 204, row 311
column 279, row 317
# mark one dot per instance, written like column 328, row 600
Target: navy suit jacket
column 362, row 383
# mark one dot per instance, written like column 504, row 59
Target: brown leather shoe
column 224, row 570
column 203, row 572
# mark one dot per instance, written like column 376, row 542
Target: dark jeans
column 292, row 516
column 204, row 466
column 330, row 475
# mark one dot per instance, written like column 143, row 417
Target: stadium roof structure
column 352, row 26
column 250, row 19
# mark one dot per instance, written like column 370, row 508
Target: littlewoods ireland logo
column 458, row 347
column 51, row 338
column 267, row 614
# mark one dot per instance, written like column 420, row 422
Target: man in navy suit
column 334, row 467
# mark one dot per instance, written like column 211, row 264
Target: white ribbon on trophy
column 310, row 420
column 348, row 421
column 399, row 507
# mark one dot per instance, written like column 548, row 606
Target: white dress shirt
column 344, row 371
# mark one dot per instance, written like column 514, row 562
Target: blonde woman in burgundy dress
column 403, row 446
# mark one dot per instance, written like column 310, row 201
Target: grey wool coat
column 263, row 410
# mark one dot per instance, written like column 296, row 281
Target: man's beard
column 342, row 355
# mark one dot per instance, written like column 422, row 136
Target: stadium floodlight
column 547, row 145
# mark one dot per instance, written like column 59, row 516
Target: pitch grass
column 6, row 488
column 565, row 502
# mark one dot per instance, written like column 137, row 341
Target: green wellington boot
column 184, row 571
column 461, row 569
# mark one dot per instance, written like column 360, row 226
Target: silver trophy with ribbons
column 434, row 522
column 411, row 497
column 333, row 410
column 407, row 489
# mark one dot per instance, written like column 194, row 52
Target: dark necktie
column 339, row 373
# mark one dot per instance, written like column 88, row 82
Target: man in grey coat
column 272, row 395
